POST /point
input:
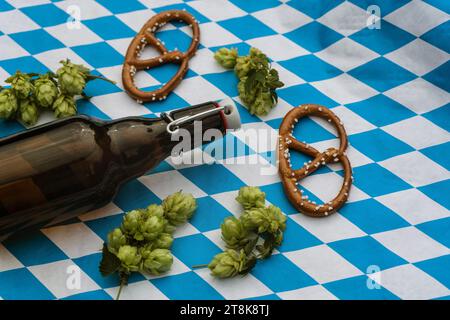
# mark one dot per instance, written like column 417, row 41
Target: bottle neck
column 140, row 144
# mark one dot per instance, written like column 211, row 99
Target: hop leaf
column 228, row 263
column 45, row 91
column 109, row 263
column 226, row 57
column 28, row 111
column 251, row 197
column 64, row 106
column 21, row 85
column 156, row 261
column 130, row 258
column 179, row 207
column 233, row 233
column 72, row 78
column 8, row 104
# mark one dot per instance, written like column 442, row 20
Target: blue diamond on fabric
column 99, row 55
column 90, row 295
column 201, row 250
column 105, row 225
column 311, row 7
column 439, row 192
column 21, row 284
column 227, row 147
column 26, row 64
column 311, row 68
column 247, row 27
column 33, row 248
column 5, row 6
column 380, row 110
column 133, row 195
column 182, row 6
column 314, row 36
column 278, row 281
column 443, row 5
column 109, row 28
column 209, row 214
column 226, row 81
column 378, row 145
column 440, row 116
column 186, row 286
column 120, row 6
column 295, row 237
column 357, row 288
column 365, row 252
column 437, row 268
column 9, row 127
column 439, row 76
column 201, row 177
column 252, row 6
column 36, row 41
column 439, row 153
column 376, row 180
column 439, row 230
column 382, row 74
column 305, row 93
column 46, row 15
column 439, row 36
column 86, row 107
column 384, row 40
column 376, row 217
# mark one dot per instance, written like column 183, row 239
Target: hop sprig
column 230, row 263
column 251, row 197
column 258, row 81
column 29, row 92
column 142, row 242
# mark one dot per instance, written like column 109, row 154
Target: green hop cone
column 116, row 239
column 45, row 91
column 258, row 59
column 277, row 219
column 226, row 57
column 131, row 222
column 251, row 197
column 179, row 207
column 151, row 228
column 228, row 263
column 256, row 219
column 246, row 97
column 64, row 106
column 21, row 85
column 28, row 111
column 8, row 104
column 156, row 261
column 233, row 233
column 243, row 66
column 164, row 241
column 154, row 210
column 130, row 258
column 262, row 104
column 72, row 78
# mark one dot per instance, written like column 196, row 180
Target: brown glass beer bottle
column 62, row 169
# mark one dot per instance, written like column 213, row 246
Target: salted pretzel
column 146, row 37
column 290, row 176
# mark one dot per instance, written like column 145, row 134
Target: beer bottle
column 64, row 168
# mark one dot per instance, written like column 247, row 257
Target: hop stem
column 92, row 77
column 123, row 282
column 198, row 266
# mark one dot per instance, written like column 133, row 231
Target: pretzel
column 290, row 176
column 145, row 37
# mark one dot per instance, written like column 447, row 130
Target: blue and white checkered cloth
column 390, row 87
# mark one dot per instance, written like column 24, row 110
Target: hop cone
column 256, row 219
column 28, row 111
column 153, row 210
column 156, row 261
column 228, row 263
column 130, row 258
column 262, row 104
column 116, row 239
column 276, row 218
column 64, row 106
column 246, row 97
column 243, row 66
column 8, row 104
column 179, row 207
column 164, row 241
column 150, row 228
column 251, row 197
column 21, row 85
column 45, row 91
column 131, row 223
column 226, row 57
column 233, row 233
column 72, row 78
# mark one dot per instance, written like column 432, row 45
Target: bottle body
column 60, row 170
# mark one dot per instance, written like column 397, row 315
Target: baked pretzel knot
column 146, row 37
column 290, row 176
